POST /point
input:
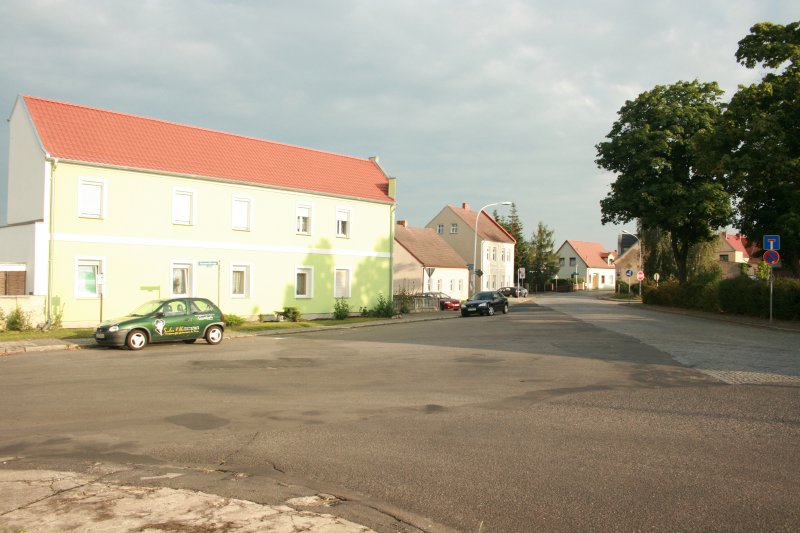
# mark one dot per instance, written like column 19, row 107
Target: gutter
column 51, row 237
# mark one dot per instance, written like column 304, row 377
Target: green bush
column 292, row 314
column 2, row 320
column 404, row 300
column 384, row 308
column 341, row 309
column 18, row 320
column 233, row 320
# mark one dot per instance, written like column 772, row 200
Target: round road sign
column 640, row 275
column 629, row 272
column 771, row 257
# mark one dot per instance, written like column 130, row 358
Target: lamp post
column 475, row 244
column 640, row 258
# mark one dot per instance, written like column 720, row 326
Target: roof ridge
column 191, row 127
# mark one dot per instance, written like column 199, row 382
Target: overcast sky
column 463, row 101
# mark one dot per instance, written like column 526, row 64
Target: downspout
column 51, row 229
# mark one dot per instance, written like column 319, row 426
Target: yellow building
column 107, row 210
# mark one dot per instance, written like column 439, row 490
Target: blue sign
column 772, row 257
column 629, row 272
column 772, row 242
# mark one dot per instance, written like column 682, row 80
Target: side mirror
column 159, row 315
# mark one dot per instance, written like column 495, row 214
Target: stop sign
column 640, row 275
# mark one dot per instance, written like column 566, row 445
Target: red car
column 445, row 302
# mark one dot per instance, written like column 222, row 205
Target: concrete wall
column 34, row 306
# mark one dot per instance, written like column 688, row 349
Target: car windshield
column 146, row 308
column 483, row 296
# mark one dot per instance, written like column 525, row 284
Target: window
column 240, row 281
column 88, row 278
column 561, row 261
column 453, row 229
column 724, row 258
column 91, row 198
column 181, row 279
column 303, row 214
column 303, row 282
column 440, row 229
column 343, row 222
column 439, row 285
column 341, row 283
column 460, row 285
column 572, row 261
column 494, row 253
column 241, row 213
column 452, row 284
column 183, row 207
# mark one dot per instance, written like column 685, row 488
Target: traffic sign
column 629, row 272
column 656, row 276
column 771, row 257
column 772, row 242
column 640, row 275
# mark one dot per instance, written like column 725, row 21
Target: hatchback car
column 485, row 303
column 184, row 319
column 516, row 292
column 445, row 302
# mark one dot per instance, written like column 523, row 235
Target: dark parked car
column 174, row 319
column 516, row 292
column 445, row 302
column 485, row 303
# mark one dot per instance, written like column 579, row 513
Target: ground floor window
column 88, row 277
column 303, row 282
column 342, row 283
column 181, row 279
column 240, row 281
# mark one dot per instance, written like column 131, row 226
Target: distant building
column 590, row 261
column 424, row 262
column 495, row 246
column 734, row 254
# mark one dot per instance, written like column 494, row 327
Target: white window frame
column 309, row 271
column 348, row 217
column 86, row 209
column 176, row 215
column 310, row 221
column 189, row 283
column 236, row 224
column 440, row 229
column 454, row 228
column 349, row 288
column 99, row 277
column 248, row 281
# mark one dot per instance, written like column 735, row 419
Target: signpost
column 656, row 277
column 640, row 277
column 629, row 273
column 772, row 243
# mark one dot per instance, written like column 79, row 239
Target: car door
column 174, row 321
column 204, row 313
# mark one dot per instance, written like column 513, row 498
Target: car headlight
column 484, row 304
column 113, row 329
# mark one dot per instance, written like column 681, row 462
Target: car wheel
column 136, row 340
column 214, row 335
column 490, row 311
column 505, row 308
column 189, row 341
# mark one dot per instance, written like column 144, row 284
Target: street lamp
column 475, row 244
column 640, row 257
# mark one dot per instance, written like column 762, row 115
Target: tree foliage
column 513, row 225
column 756, row 148
column 542, row 260
column 653, row 149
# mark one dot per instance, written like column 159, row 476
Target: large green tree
column 542, row 260
column 757, row 145
column 653, row 150
column 513, row 225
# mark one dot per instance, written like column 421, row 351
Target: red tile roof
column 488, row 228
column 85, row 134
column 428, row 247
column 592, row 253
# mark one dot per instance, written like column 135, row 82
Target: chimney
column 465, row 206
column 403, row 223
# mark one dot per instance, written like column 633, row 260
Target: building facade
column 587, row 260
column 424, row 262
column 107, row 210
column 491, row 250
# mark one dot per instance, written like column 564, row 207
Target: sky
column 462, row 100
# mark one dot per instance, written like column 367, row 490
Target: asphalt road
column 572, row 415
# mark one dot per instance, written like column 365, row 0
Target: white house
column 590, row 261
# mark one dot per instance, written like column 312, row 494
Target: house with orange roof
column 424, row 262
column 492, row 245
column 593, row 263
column 735, row 254
column 107, row 210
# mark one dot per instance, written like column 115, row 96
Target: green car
column 184, row 319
